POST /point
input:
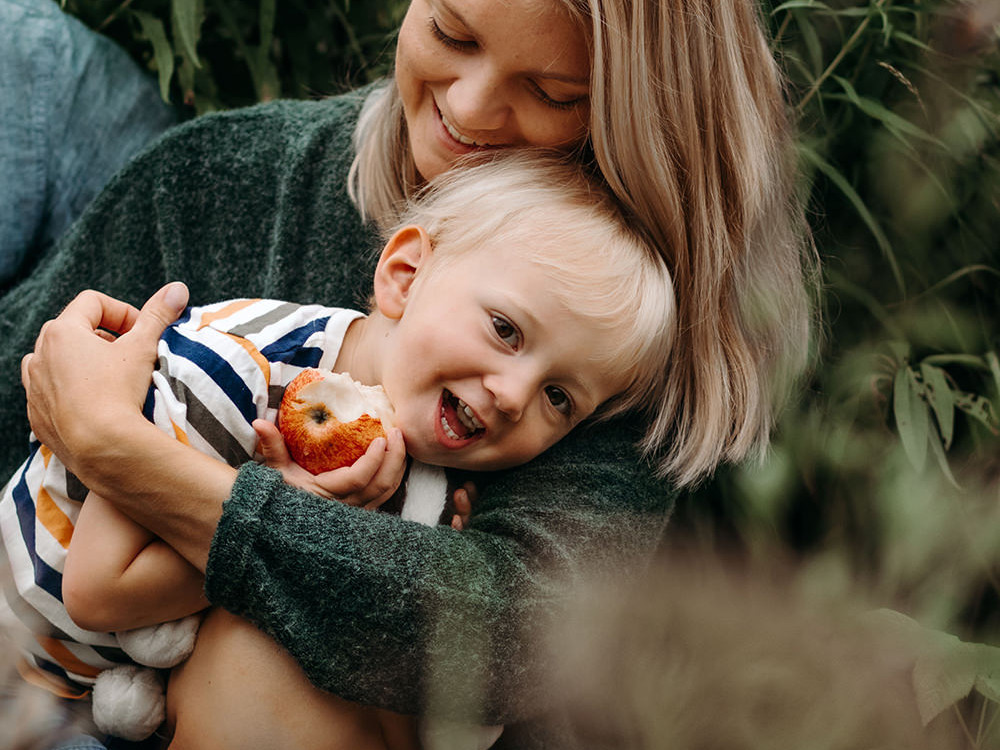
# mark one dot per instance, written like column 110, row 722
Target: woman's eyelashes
column 543, row 97
column 470, row 45
column 462, row 45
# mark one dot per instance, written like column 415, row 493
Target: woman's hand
column 367, row 483
column 82, row 382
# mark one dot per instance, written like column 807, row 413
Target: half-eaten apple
column 328, row 419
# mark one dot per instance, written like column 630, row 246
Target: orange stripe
column 52, row 518
column 254, row 352
column 47, row 681
column 179, row 433
column 233, row 307
column 48, row 513
column 66, row 658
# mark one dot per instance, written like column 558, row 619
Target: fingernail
column 176, row 296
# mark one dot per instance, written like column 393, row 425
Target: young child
column 511, row 303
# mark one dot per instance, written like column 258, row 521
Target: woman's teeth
column 464, row 140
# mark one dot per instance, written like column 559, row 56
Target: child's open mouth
column 458, row 421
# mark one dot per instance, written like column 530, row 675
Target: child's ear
column 397, row 268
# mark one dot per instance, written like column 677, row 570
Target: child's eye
column 559, row 399
column 462, row 45
column 507, row 331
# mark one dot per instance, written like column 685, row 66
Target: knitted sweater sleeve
column 408, row 617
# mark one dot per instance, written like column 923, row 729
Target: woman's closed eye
column 506, row 331
column 462, row 45
column 550, row 101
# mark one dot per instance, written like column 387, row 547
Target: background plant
column 887, row 470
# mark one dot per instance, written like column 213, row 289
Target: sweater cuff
column 232, row 549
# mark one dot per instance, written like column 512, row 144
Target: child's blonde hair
column 688, row 129
column 562, row 219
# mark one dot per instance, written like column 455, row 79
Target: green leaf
column 942, row 678
column 942, row 400
column 812, row 156
column 163, row 53
column 186, row 17
column 979, row 408
column 989, row 687
column 266, row 21
column 991, row 360
column 898, row 126
column 942, row 459
column 814, row 4
column 911, row 416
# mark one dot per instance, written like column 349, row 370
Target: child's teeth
column 468, row 417
column 447, row 429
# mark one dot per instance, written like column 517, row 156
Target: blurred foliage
column 887, row 470
column 218, row 54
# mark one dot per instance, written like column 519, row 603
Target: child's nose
column 510, row 394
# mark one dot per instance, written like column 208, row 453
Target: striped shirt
column 219, row 368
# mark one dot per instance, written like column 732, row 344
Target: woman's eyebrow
column 563, row 77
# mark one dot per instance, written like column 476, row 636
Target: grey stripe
column 75, row 489
column 201, row 418
column 258, row 324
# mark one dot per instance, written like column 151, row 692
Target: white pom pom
column 164, row 645
column 129, row 702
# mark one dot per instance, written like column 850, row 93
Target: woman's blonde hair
column 689, row 130
column 560, row 218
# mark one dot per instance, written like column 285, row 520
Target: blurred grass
column 887, row 470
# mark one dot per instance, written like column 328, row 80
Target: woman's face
column 480, row 74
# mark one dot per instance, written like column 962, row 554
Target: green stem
column 837, row 60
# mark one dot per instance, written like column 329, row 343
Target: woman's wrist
column 166, row 486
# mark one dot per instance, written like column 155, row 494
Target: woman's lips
column 456, row 139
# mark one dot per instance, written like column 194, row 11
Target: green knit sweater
column 376, row 609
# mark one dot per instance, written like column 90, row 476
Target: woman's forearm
column 162, row 484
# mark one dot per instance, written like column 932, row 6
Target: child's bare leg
column 241, row 690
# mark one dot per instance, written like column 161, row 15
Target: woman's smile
column 470, row 78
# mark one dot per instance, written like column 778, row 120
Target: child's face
column 486, row 367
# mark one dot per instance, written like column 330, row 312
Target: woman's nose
column 477, row 101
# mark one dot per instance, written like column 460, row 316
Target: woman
column 691, row 137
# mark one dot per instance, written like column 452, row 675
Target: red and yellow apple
column 328, row 419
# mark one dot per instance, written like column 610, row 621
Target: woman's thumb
column 162, row 309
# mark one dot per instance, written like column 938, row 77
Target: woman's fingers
column 82, row 383
column 160, row 310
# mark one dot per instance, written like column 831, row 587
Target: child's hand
column 463, row 498
column 368, row 483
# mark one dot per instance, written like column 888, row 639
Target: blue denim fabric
column 80, row 742
column 73, row 109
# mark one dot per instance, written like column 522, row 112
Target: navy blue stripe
column 216, row 368
column 46, row 576
column 291, row 347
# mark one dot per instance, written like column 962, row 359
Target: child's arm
column 119, row 576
